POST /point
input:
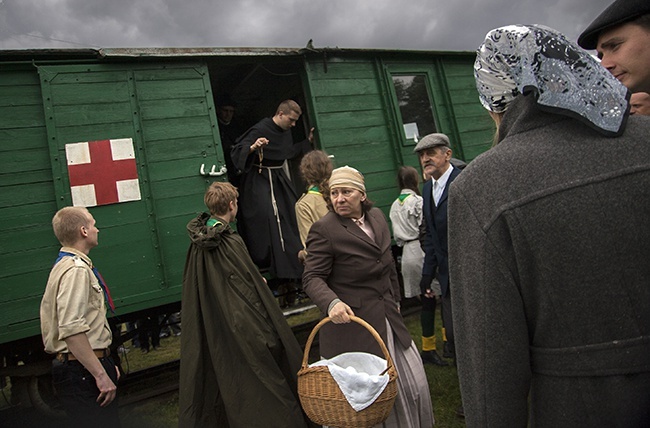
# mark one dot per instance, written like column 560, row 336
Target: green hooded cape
column 239, row 357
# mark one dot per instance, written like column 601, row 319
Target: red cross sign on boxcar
column 102, row 172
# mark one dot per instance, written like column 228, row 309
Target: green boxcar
column 368, row 106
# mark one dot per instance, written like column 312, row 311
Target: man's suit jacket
column 435, row 238
column 343, row 262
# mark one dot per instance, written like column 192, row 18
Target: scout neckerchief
column 212, row 222
column 107, row 293
column 314, row 190
column 403, row 197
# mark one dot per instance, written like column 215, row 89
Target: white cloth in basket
column 358, row 374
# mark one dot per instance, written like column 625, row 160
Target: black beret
column 619, row 12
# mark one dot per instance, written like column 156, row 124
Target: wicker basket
column 323, row 401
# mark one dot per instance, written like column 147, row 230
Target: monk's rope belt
column 276, row 212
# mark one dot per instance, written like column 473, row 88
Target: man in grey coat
column 549, row 241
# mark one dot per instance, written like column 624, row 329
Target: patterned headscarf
column 520, row 59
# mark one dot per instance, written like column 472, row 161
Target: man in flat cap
column 434, row 154
column 621, row 35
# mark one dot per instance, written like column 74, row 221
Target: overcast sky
column 392, row 24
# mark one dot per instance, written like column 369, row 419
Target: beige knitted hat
column 347, row 176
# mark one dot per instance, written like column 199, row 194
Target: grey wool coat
column 344, row 262
column 549, row 252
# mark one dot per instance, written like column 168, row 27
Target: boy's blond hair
column 219, row 196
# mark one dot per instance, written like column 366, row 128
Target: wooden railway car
column 368, row 108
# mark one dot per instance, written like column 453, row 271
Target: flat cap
column 432, row 140
column 619, row 12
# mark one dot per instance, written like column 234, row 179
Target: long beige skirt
column 413, row 406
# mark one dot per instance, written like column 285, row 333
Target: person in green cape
column 239, row 357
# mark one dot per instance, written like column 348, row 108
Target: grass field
column 443, row 381
column 163, row 412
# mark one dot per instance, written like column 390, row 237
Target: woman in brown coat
column 350, row 271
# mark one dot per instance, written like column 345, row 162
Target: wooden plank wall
column 27, row 203
column 474, row 125
column 179, row 133
column 168, row 111
column 352, row 118
column 350, row 96
column 89, row 103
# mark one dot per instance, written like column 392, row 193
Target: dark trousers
column 447, row 322
column 78, row 392
column 149, row 328
column 428, row 316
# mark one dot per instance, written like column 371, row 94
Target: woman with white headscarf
column 549, row 240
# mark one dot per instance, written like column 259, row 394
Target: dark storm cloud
column 418, row 24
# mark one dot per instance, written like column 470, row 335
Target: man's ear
column 84, row 231
column 231, row 206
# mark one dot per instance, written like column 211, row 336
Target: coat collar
column 428, row 187
column 523, row 114
column 371, row 219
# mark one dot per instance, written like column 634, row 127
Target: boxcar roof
column 88, row 53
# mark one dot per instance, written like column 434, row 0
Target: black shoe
column 448, row 351
column 460, row 412
column 432, row 357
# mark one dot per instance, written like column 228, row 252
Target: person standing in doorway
column 267, row 216
column 229, row 132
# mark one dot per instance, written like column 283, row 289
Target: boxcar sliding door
column 148, row 128
column 352, row 119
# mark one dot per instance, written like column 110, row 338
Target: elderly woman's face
column 347, row 201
